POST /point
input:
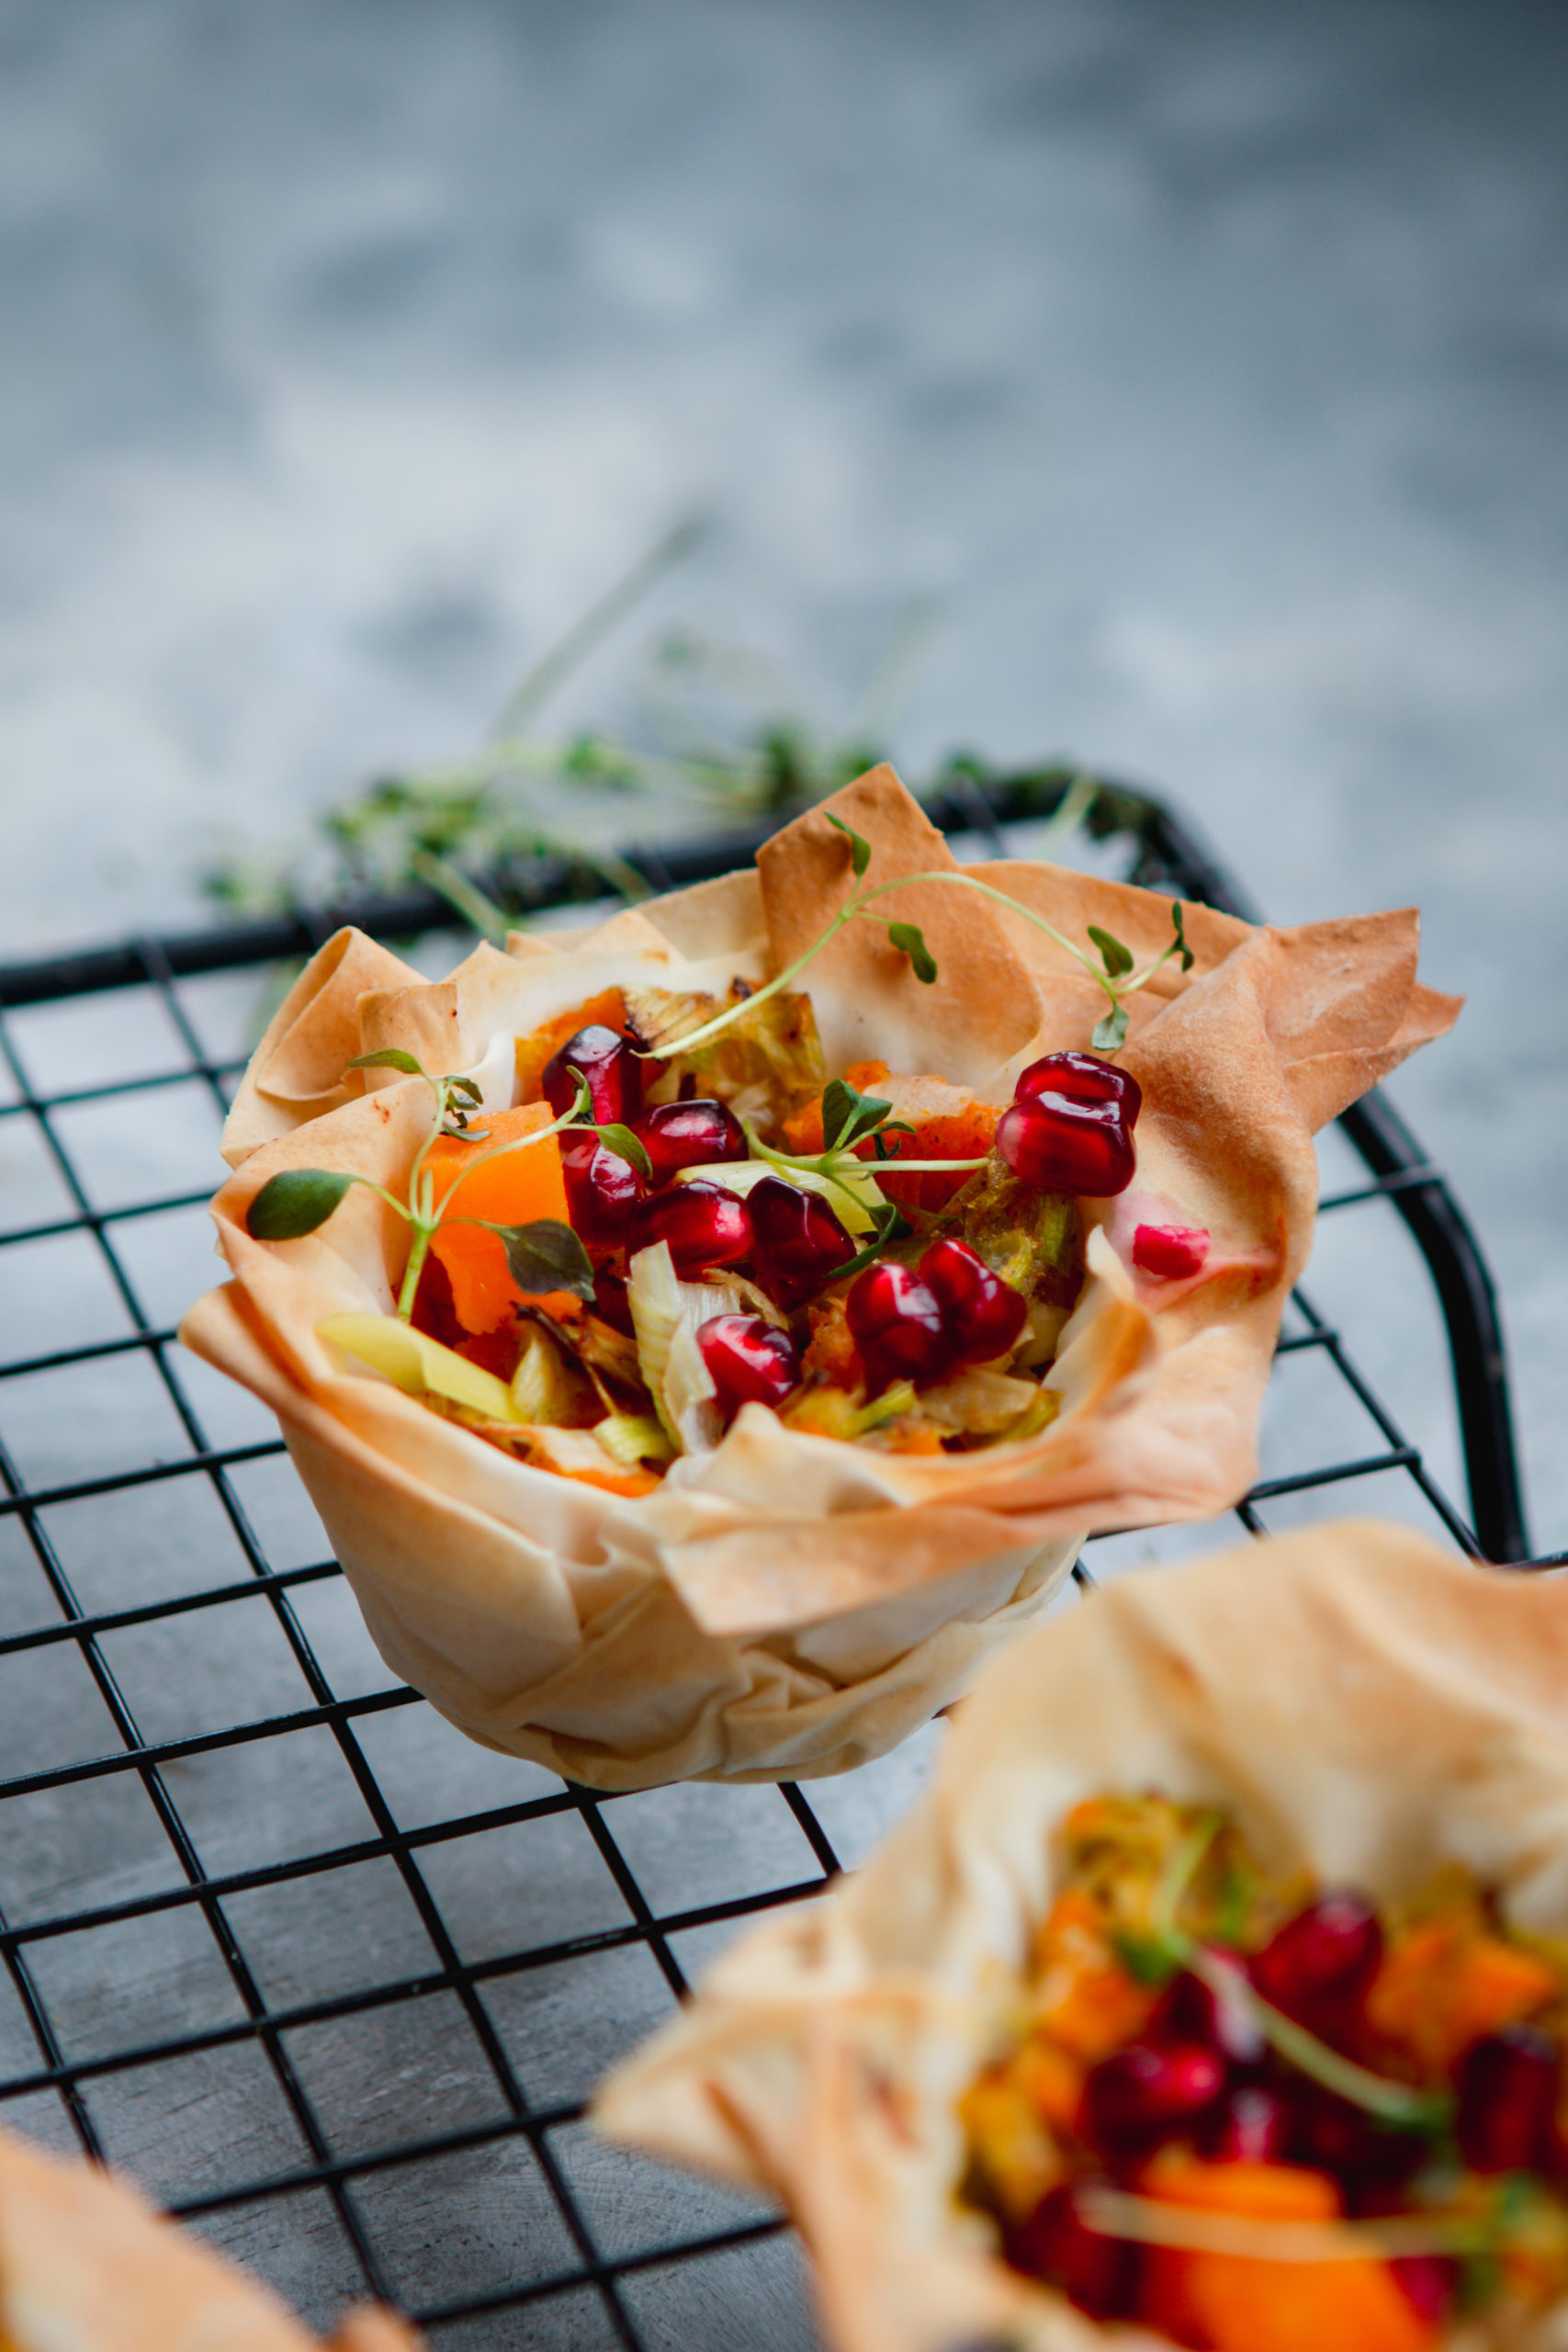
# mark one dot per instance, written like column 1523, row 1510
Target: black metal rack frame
column 571, row 2276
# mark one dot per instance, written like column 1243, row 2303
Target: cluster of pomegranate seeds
column 1201, row 2073
column 750, row 1361
column 920, row 1325
column 924, row 1325
column 610, row 1203
column 982, row 1314
column 1069, row 1128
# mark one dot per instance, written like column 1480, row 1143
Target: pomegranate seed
column 602, row 1190
column 1321, row 1960
column 1506, row 2085
column 1189, row 2011
column 1338, row 2138
column 1430, row 2281
column 1170, row 1251
column 1066, row 1146
column 799, row 1240
column 1250, row 2126
column 982, row 1314
column 614, row 1073
column 1147, row 2091
column 611, row 1303
column 703, row 1225
column 750, row 1361
column 1082, row 1077
column 1093, row 2270
column 897, row 1325
column 690, row 1134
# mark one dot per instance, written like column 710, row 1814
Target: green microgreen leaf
column 889, row 1127
column 1188, row 958
column 295, row 1201
column 1149, row 1960
column 1112, row 1033
column 388, row 1057
column 895, row 1226
column 620, row 1139
column 909, row 940
column 466, row 1086
column 545, row 1256
column 847, row 1114
column 860, row 848
column 1116, row 958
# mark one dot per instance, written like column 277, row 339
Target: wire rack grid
column 332, row 1982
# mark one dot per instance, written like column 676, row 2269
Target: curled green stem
column 1396, row 2104
column 1114, row 987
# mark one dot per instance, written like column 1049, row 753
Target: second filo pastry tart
column 707, row 1337
column 87, row 2265
column 1215, row 1995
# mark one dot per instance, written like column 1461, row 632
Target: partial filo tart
column 86, row 2266
column 787, row 1603
column 1368, row 1710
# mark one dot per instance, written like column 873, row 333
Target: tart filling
column 1253, row 2113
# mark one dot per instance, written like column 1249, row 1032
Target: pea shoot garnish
column 1115, row 973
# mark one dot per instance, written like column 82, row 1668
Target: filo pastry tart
column 786, row 1559
column 86, row 2266
column 1346, row 1709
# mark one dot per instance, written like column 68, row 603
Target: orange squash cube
column 1448, row 1981
column 1227, row 2302
column 509, row 1188
column 542, row 1044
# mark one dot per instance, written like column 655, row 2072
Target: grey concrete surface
column 1209, row 363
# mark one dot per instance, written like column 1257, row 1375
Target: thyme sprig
column 1116, row 973
column 543, row 1255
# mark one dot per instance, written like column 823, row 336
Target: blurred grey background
column 1208, row 363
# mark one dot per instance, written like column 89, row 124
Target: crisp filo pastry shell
column 86, row 2266
column 788, row 1604
column 1369, row 1709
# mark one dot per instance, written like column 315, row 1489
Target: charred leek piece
column 420, row 1365
column 632, row 1439
column 666, row 1314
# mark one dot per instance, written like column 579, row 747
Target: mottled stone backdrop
column 1208, row 362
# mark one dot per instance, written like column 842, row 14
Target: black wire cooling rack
column 332, row 1982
